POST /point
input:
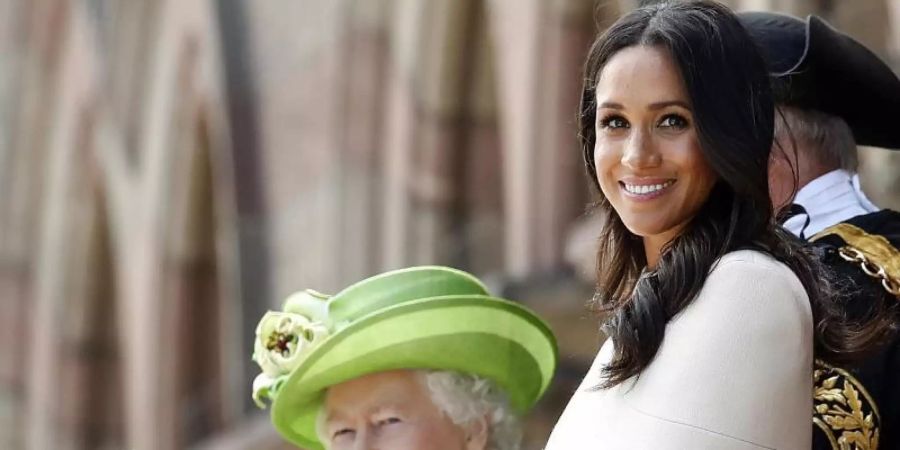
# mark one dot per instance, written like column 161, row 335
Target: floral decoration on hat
column 285, row 338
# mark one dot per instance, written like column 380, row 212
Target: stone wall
column 169, row 169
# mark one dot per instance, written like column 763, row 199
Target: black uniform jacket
column 859, row 407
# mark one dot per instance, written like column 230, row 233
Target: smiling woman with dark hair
column 714, row 311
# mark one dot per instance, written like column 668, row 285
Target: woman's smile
column 645, row 189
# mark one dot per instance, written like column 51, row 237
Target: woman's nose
column 364, row 440
column 640, row 153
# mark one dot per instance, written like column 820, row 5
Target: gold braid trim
column 873, row 253
column 844, row 410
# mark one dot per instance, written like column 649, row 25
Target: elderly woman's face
column 388, row 411
column 647, row 155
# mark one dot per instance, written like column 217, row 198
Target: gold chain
column 869, row 268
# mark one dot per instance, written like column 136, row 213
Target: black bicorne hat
column 818, row 67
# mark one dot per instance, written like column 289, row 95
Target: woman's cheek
column 604, row 162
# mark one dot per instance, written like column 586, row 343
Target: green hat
column 416, row 318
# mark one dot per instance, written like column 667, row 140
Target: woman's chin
column 653, row 233
column 643, row 230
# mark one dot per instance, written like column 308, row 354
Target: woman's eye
column 613, row 122
column 673, row 121
column 343, row 432
column 388, row 421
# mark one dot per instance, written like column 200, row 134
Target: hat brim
column 818, row 67
column 848, row 80
column 485, row 336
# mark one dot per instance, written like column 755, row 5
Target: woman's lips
column 646, row 189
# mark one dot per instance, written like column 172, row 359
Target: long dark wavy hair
column 733, row 105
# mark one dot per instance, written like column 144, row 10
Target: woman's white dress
column 734, row 372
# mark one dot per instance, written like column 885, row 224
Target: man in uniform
column 833, row 93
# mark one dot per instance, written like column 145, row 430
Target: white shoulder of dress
column 745, row 274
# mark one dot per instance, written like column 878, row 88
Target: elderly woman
column 420, row 358
column 418, row 409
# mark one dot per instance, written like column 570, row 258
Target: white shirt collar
column 829, row 199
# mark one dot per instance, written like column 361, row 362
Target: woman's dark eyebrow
column 652, row 106
column 661, row 105
column 612, row 105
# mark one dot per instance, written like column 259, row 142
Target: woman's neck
column 653, row 245
column 652, row 251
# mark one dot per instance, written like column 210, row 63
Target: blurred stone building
column 170, row 169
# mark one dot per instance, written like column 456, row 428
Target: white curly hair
column 465, row 398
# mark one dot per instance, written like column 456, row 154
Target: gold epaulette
column 874, row 254
column 844, row 410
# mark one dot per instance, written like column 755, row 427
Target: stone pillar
column 478, row 218
column 444, row 78
column 88, row 409
column 516, row 25
column 428, row 89
column 400, row 134
column 27, row 89
column 570, row 29
column 359, row 133
column 299, row 57
column 57, row 276
column 540, row 49
column 234, row 121
column 193, row 303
